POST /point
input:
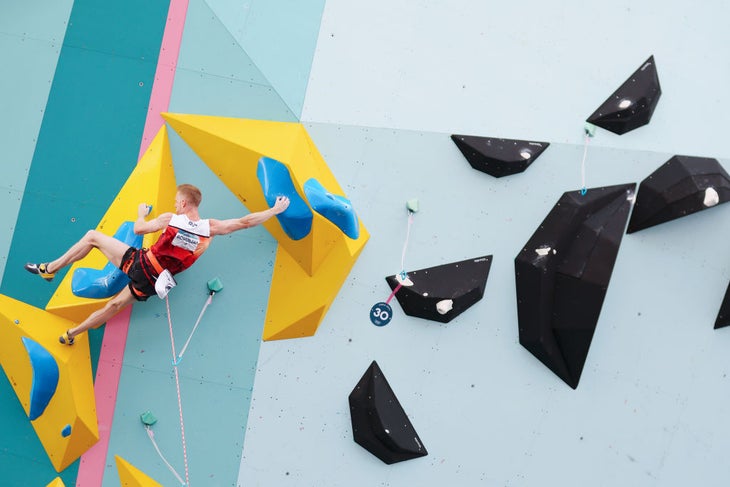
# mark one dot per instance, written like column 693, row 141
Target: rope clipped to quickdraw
column 214, row 286
column 381, row 313
column 179, row 397
column 148, row 419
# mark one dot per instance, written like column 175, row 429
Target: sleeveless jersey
column 182, row 242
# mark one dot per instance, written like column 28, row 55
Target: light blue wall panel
column 30, row 41
column 211, row 95
column 227, row 83
column 204, row 34
column 488, row 412
column 523, row 69
column 280, row 36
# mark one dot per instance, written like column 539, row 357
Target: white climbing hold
column 444, row 306
column 403, row 282
column 711, row 197
column 543, row 251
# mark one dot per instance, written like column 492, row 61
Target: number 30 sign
column 381, row 314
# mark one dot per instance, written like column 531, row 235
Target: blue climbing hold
column 276, row 181
column 336, row 209
column 106, row 282
column 45, row 377
column 66, row 431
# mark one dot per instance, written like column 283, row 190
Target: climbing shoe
column 40, row 269
column 65, row 339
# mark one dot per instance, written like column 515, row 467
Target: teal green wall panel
column 23, row 461
column 125, row 28
column 70, row 164
column 87, row 147
column 218, row 368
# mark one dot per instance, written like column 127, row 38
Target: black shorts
column 142, row 281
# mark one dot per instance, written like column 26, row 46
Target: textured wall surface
column 389, row 82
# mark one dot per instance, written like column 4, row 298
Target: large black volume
column 379, row 423
column 562, row 276
column 681, row 186
column 498, row 157
column 633, row 103
column 460, row 283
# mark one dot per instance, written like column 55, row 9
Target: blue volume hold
column 336, row 209
column 106, row 282
column 276, row 181
column 45, row 377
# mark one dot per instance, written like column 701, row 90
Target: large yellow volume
column 131, row 476
column 153, row 182
column 67, row 426
column 308, row 272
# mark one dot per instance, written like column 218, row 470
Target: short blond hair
column 191, row 194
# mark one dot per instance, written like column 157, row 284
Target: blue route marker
column 381, row 314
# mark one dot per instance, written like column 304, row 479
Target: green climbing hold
column 148, row 418
column 215, row 285
column 412, row 205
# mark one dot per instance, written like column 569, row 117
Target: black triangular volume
column 562, row 276
column 462, row 283
column 379, row 423
column 633, row 103
column 723, row 316
column 498, row 157
column 681, row 186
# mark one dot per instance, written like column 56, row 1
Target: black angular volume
column 681, row 186
column 498, row 157
column 723, row 316
column 562, row 276
column 461, row 284
column 633, row 103
column 379, row 423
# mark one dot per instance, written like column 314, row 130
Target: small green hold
column 215, row 285
column 412, row 205
column 148, row 418
column 589, row 129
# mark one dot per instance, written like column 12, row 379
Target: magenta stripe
column 91, row 468
column 165, row 74
column 106, row 383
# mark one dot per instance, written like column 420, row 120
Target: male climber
column 186, row 236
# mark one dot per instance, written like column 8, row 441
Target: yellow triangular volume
column 232, row 147
column 153, row 182
column 298, row 302
column 313, row 268
column 131, row 476
column 67, row 426
column 57, row 482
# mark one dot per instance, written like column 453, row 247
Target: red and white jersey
column 182, row 242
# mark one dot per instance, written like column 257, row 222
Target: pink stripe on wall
column 91, row 468
column 165, row 74
column 109, row 370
